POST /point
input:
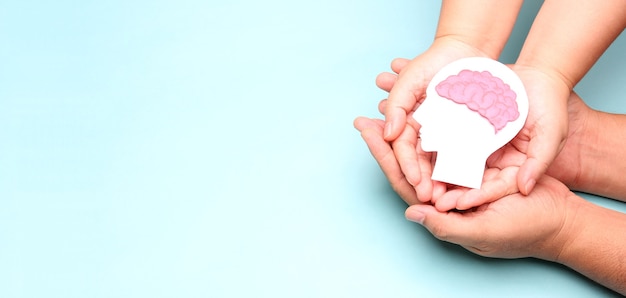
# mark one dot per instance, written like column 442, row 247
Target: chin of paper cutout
column 473, row 107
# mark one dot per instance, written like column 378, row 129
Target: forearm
column 594, row 244
column 482, row 24
column 568, row 37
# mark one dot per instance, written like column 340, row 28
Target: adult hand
column 540, row 140
column 551, row 223
column 567, row 167
column 372, row 133
column 444, row 197
column 415, row 165
column 512, row 227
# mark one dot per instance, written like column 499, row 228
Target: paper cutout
column 473, row 107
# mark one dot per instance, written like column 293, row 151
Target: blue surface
column 202, row 149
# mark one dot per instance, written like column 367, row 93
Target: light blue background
column 205, row 149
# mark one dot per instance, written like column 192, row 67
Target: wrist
column 460, row 44
column 602, row 149
column 546, row 67
column 561, row 248
column 558, row 82
column 577, row 162
column 589, row 243
column 465, row 44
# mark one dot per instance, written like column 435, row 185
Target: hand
column 539, row 141
column 372, row 133
column 412, row 77
column 546, row 128
column 414, row 163
column 514, row 226
column 444, row 197
column 415, row 169
column 413, row 166
column 567, row 166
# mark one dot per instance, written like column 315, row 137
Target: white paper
column 469, row 112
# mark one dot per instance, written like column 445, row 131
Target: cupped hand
column 413, row 76
column 372, row 133
column 532, row 150
column 546, row 129
column 498, row 182
column 407, row 85
column 414, row 165
column 567, row 166
column 514, row 226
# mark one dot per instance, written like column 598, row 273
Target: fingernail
column 415, row 216
column 388, row 128
column 530, row 185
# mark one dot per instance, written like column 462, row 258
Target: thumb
column 542, row 150
column 401, row 102
column 395, row 118
column 455, row 227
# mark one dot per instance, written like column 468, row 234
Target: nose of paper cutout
column 483, row 93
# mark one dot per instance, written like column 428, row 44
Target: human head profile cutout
column 473, row 107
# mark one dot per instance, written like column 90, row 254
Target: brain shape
column 483, row 93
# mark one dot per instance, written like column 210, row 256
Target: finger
column 386, row 80
column 455, row 227
column 415, row 163
column 405, row 151
column 496, row 185
column 542, row 150
column 509, row 155
column 448, row 200
column 402, row 100
column 395, row 117
column 409, row 119
column 381, row 106
column 439, row 188
column 425, row 187
column 398, row 64
column 371, row 132
column 362, row 123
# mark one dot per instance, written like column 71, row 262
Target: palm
column 544, row 133
column 496, row 181
column 406, row 87
column 526, row 224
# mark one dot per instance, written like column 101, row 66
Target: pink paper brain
column 483, row 93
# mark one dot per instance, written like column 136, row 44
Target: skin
column 588, row 131
column 547, row 73
column 551, row 223
column 416, row 165
column 577, row 36
column 464, row 30
column 577, row 147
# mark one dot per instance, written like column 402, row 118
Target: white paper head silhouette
column 473, row 107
